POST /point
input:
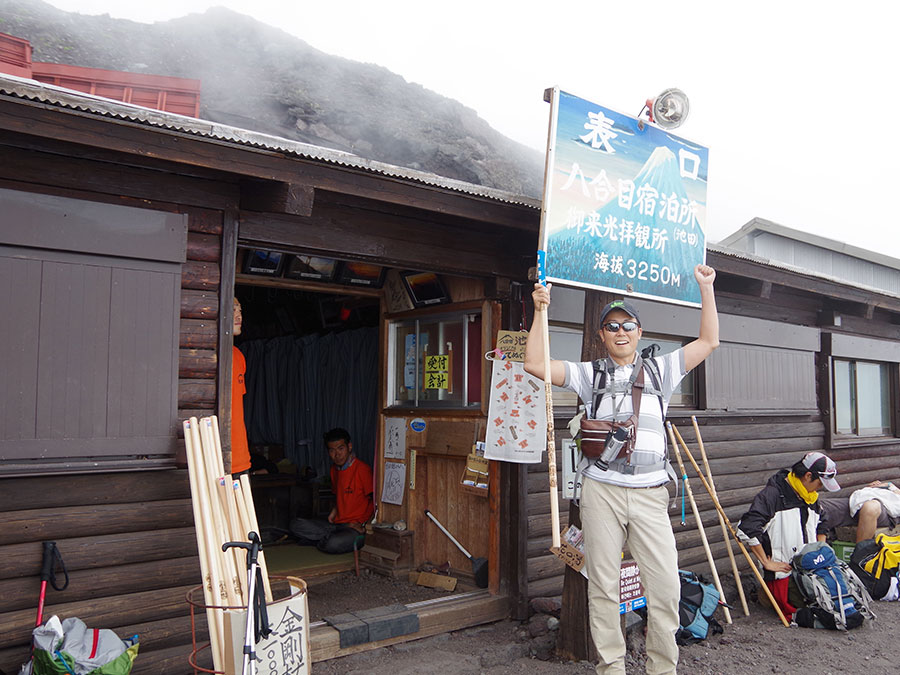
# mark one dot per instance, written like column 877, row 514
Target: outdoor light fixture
column 669, row 110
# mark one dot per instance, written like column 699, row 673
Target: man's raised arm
column 534, row 347
column 697, row 351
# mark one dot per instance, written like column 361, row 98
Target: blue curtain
column 300, row 387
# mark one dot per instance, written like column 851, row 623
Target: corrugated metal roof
column 777, row 264
column 757, row 225
column 17, row 87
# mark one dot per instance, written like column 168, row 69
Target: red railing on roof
column 15, row 56
column 172, row 94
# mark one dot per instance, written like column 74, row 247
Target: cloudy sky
column 794, row 99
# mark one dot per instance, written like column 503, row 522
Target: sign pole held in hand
column 542, row 315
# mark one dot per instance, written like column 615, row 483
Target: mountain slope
column 259, row 77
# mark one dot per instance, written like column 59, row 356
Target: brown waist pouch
column 595, row 432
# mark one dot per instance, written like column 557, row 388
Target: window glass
column 862, row 398
column 406, row 366
column 437, row 361
column 844, row 404
column 872, row 398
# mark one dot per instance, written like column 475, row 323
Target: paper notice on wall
column 394, row 483
column 395, row 438
column 517, row 415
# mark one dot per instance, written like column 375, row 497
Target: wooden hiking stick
column 734, row 568
column 229, row 508
column 208, row 570
column 718, row 506
column 233, row 525
column 254, row 525
column 217, row 512
column 700, row 528
column 551, row 439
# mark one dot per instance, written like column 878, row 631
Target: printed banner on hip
column 517, row 415
column 624, row 204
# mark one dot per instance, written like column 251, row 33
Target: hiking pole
column 700, row 528
column 541, row 314
column 257, row 625
column 50, row 556
column 734, row 568
column 718, row 506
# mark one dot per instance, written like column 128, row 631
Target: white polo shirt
column 651, row 440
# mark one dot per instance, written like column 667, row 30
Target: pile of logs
column 223, row 511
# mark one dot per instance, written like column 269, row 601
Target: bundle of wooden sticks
column 223, row 511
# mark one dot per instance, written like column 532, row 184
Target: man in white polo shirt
column 625, row 499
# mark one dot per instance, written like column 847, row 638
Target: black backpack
column 876, row 562
column 698, row 604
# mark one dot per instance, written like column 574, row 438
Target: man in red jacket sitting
column 351, row 481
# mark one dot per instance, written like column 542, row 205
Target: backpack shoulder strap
column 652, row 367
column 599, row 387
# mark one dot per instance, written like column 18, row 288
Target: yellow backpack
column 887, row 557
column 875, row 561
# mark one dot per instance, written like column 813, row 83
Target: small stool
column 358, row 543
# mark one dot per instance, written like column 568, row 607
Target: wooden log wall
column 128, row 543
column 743, row 452
column 199, row 334
column 127, row 538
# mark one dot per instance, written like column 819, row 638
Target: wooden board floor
column 435, row 617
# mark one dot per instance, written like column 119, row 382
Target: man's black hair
column 336, row 434
column 800, row 470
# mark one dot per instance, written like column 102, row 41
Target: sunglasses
column 614, row 326
column 828, row 474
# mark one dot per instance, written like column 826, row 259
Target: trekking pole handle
column 253, row 547
column 49, row 558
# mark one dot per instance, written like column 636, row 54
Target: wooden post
column 543, row 317
column 574, row 640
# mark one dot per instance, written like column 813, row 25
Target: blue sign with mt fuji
column 624, row 204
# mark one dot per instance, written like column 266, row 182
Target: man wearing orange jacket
column 240, row 450
column 351, row 481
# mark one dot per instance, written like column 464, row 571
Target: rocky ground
column 752, row 644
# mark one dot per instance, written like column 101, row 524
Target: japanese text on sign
column 625, row 205
column 437, row 371
column 511, row 344
column 631, row 592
